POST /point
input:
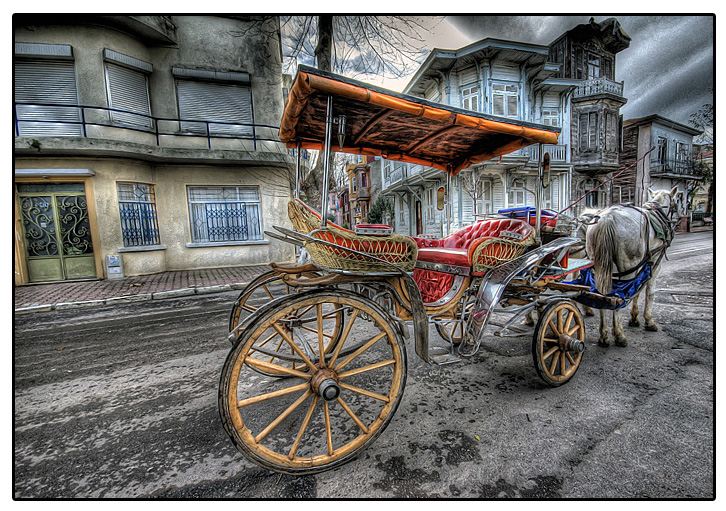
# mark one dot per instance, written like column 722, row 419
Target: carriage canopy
column 400, row 127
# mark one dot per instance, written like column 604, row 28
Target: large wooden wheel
column 558, row 342
column 330, row 407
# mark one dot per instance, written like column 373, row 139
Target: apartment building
column 145, row 144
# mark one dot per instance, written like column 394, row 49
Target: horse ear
column 650, row 193
column 674, row 190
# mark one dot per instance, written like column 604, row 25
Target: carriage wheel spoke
column 266, row 366
column 353, row 416
column 570, row 317
column 562, row 363
column 553, row 328
column 343, row 337
column 367, row 368
column 360, row 350
column 549, row 353
column 282, row 416
column 294, row 346
column 303, row 427
column 264, row 286
column 553, row 365
column 271, row 395
column 328, row 431
column 364, row 392
column 321, row 343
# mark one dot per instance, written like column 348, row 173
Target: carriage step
column 444, row 358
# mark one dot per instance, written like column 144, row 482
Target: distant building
column 151, row 139
column 507, row 79
column 670, row 163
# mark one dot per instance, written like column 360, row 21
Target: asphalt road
column 121, row 402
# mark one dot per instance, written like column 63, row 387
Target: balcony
column 36, row 120
column 558, row 152
column 598, row 86
column 688, row 169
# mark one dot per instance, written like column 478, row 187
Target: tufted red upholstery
column 463, row 238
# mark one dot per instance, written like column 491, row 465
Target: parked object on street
column 316, row 374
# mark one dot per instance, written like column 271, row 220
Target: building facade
column 587, row 54
column 149, row 139
column 508, row 79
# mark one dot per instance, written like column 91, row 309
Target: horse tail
column 601, row 249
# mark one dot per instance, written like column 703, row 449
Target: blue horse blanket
column 625, row 289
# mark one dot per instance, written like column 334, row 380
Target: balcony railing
column 689, row 168
column 558, row 152
column 598, row 86
column 32, row 120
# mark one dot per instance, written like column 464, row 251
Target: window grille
column 225, row 213
column 137, row 207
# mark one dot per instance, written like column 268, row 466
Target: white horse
column 624, row 240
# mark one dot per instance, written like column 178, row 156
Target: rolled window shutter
column 47, row 81
column 128, row 91
column 215, row 103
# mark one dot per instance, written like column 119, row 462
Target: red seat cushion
column 454, row 256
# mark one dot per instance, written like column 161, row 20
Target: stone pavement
column 96, row 293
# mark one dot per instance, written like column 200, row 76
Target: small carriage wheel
column 558, row 342
column 264, row 288
column 325, row 415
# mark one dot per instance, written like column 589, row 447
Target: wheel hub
column 325, row 384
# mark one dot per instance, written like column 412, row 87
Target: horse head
column 664, row 200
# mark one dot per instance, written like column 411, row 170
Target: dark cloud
column 668, row 69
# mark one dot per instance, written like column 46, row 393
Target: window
column 470, row 98
column 505, row 100
column 137, row 206
column 551, row 117
column 662, row 150
column 45, row 80
column 588, row 132
column 225, row 107
column 402, row 211
column 483, row 197
column 611, row 132
column 128, row 89
column 225, row 213
column 593, row 66
column 430, row 213
column 517, row 194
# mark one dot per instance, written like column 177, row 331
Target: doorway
column 56, row 231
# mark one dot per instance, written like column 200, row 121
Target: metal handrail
column 153, row 124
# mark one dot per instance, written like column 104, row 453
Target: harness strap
column 653, row 208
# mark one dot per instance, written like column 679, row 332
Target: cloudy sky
column 667, row 70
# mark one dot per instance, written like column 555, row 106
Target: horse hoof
column 603, row 343
column 651, row 328
column 622, row 342
column 634, row 322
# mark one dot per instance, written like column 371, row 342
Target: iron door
column 56, row 231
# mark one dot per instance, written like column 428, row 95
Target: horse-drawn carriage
column 318, row 363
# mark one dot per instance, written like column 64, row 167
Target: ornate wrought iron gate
column 56, row 231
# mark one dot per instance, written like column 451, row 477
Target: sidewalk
column 171, row 284
column 98, row 293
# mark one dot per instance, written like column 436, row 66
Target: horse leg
column 588, row 310
column 648, row 309
column 529, row 318
column 634, row 312
column 603, row 340
column 618, row 332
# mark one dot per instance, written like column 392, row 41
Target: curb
column 116, row 300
